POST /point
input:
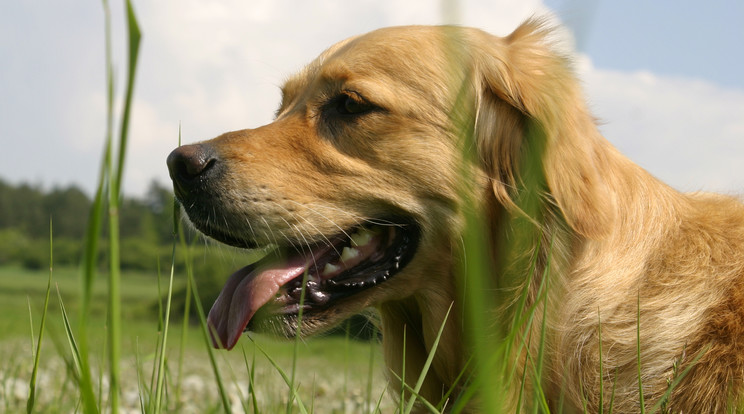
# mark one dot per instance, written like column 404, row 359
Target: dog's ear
column 530, row 105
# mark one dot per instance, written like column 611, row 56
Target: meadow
column 334, row 374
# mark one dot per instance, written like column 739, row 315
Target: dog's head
column 358, row 181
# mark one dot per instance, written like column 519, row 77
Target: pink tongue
column 244, row 293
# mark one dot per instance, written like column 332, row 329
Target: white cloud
column 214, row 67
column 687, row 132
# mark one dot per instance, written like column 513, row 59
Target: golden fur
column 619, row 246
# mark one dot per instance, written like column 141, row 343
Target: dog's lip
column 378, row 253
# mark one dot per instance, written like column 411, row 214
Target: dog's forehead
column 396, row 47
column 404, row 55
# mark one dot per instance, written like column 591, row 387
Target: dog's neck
column 413, row 324
column 410, row 328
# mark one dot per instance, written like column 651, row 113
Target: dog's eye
column 350, row 104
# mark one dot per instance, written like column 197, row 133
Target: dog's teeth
column 361, row 237
column 349, row 253
column 330, row 268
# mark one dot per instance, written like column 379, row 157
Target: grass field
column 335, row 374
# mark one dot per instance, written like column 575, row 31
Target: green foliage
column 13, row 245
column 144, row 226
column 28, row 209
column 22, row 207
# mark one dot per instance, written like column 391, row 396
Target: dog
column 394, row 150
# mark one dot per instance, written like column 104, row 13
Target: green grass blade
column 93, row 231
column 544, row 287
column 401, row 400
column 182, row 345
column 74, row 349
column 144, row 394
column 295, row 351
column 135, row 36
column 379, row 402
column 116, row 172
column 32, row 384
column 415, row 395
column 208, row 342
column 251, row 379
column 612, row 395
column 523, row 380
column 665, row 398
column 455, row 383
column 286, row 379
column 539, row 400
column 427, row 364
column 112, row 209
column 370, row 376
column 161, row 357
column 347, row 336
column 31, row 323
column 164, row 341
column 178, row 234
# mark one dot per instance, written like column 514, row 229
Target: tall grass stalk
column 90, row 250
column 298, row 339
column 401, row 400
column 347, row 335
column 677, row 378
column 540, row 399
column 478, row 303
column 179, row 236
column 286, row 379
column 370, row 372
column 115, row 173
column 612, row 394
column 75, row 352
column 207, row 340
column 427, row 364
column 164, row 335
column 37, row 355
column 251, row 379
column 144, row 392
column 109, row 181
column 164, row 321
column 187, row 300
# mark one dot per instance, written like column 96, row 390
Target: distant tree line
column 145, row 244
column 146, row 225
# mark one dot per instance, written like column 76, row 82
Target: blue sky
column 663, row 77
column 670, row 38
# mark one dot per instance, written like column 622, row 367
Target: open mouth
column 336, row 268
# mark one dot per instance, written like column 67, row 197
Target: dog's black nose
column 189, row 165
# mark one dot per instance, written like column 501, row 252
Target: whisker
column 357, row 219
column 307, row 206
column 270, row 230
column 250, row 227
column 312, row 254
column 327, row 240
column 291, row 243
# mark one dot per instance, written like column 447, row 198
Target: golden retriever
column 388, row 144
